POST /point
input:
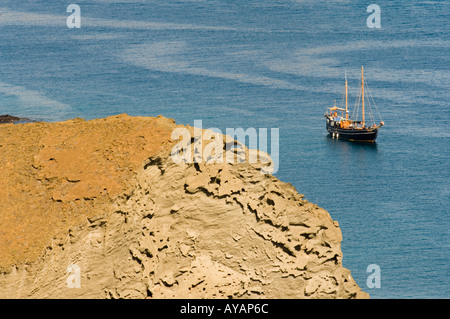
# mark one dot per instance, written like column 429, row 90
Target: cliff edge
column 98, row 209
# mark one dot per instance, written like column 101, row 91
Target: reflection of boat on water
column 343, row 127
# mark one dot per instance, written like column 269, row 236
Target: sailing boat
column 342, row 127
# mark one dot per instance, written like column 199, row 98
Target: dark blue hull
column 368, row 135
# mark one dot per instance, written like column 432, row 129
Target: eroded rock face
column 55, row 175
column 172, row 230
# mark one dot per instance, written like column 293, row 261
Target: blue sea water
column 269, row 64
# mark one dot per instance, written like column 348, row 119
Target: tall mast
column 362, row 95
column 346, row 97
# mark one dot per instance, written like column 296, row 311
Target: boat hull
column 367, row 135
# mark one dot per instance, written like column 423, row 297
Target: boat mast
column 362, row 95
column 346, row 97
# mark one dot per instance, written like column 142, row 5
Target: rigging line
column 343, row 99
column 371, row 110
column 356, row 108
column 376, row 108
column 378, row 112
column 371, row 113
column 370, row 105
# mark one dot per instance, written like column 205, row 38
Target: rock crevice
column 156, row 229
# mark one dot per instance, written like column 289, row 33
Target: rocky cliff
column 98, row 209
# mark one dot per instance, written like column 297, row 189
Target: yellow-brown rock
column 54, row 175
column 105, row 195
